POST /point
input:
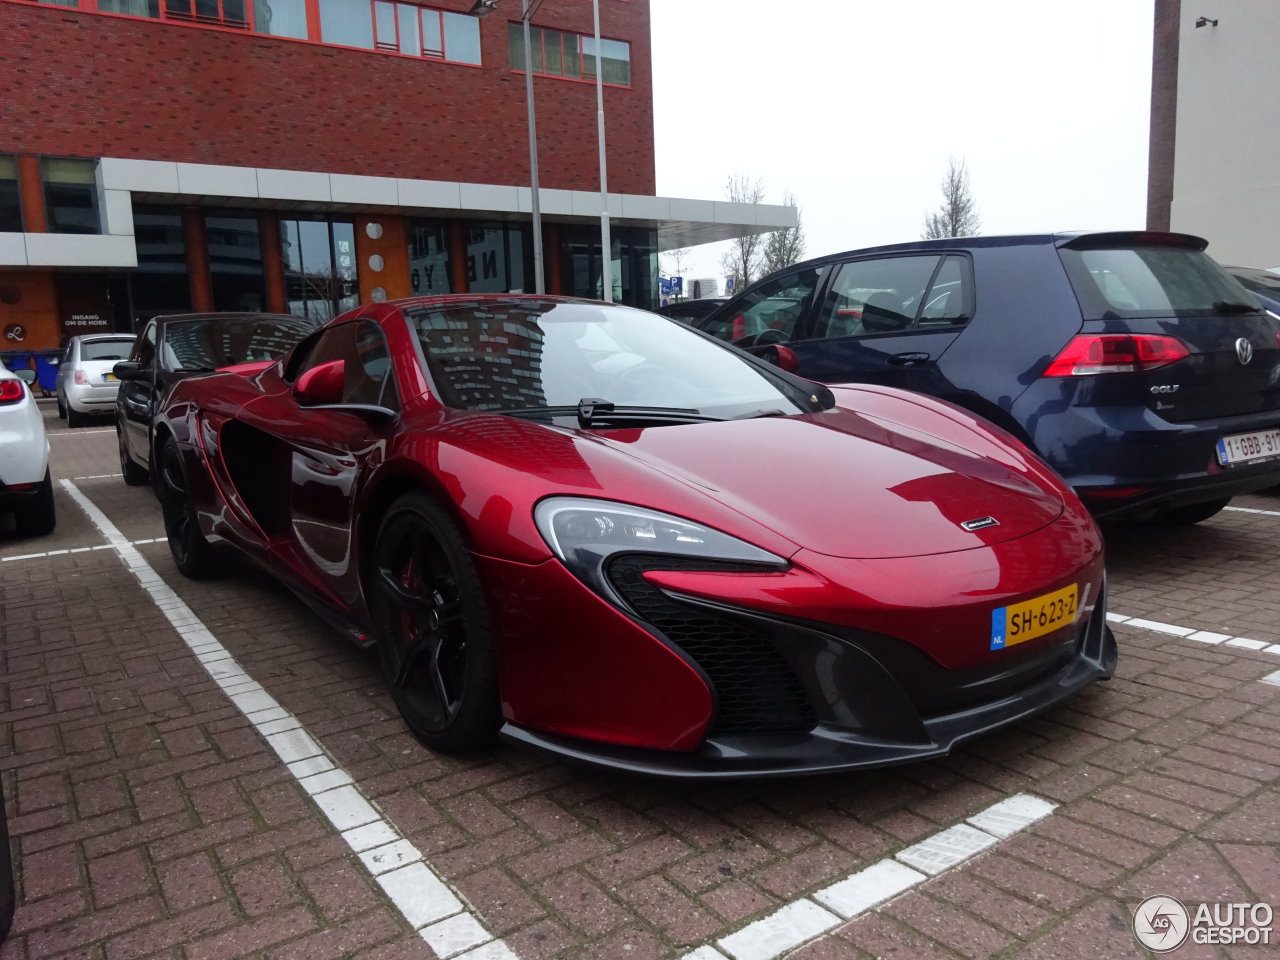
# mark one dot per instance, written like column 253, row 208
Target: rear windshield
column 105, row 349
column 1150, row 282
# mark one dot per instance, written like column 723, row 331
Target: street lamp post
column 482, row 8
column 606, row 243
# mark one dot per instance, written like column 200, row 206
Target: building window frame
column 544, row 39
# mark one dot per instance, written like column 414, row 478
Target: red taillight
column 81, row 379
column 11, row 391
column 1091, row 354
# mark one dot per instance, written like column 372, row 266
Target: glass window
column 948, row 298
column 1149, row 282
column 461, row 38
column 615, row 60
column 235, row 263
column 207, row 343
column 159, row 284
column 144, row 350
column 225, row 13
column 132, row 8
column 10, row 196
column 319, row 267
column 635, row 264
column 572, row 55
column 876, row 296
column 106, row 349
column 366, row 363
column 70, row 196
column 346, row 22
column 429, row 257
column 496, row 258
column 280, row 18
column 422, row 32
column 769, row 313
column 61, row 3
column 527, row 353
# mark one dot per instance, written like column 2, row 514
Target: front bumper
column 877, row 722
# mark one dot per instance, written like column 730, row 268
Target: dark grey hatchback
column 1131, row 362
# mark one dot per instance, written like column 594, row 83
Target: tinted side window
column 144, row 351
column 876, row 296
column 948, row 299
column 773, row 309
column 366, row 362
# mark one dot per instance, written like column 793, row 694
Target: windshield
column 105, row 349
column 499, row 355
column 1149, row 282
column 207, row 343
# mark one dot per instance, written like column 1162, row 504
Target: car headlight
column 586, row 533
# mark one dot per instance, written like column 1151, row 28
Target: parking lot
column 204, row 770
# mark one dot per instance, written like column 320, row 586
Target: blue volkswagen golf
column 1131, row 362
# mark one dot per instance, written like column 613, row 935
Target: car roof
column 1060, row 239
column 228, row 315
column 84, row 337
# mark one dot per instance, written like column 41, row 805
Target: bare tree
column 675, row 262
column 742, row 262
column 786, row 246
column 958, row 215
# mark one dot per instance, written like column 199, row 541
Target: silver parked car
column 86, row 383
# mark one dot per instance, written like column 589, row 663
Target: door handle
column 908, row 359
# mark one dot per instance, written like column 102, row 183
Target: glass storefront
column 70, row 195
column 635, row 264
column 235, row 262
column 499, row 258
column 160, row 284
column 429, row 257
column 319, row 267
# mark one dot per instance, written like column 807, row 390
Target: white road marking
column 58, row 553
column 805, row 920
column 77, row 433
column 442, row 918
column 1272, row 678
column 1268, row 513
column 1200, row 636
column 99, row 476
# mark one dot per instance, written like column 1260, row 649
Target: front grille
column 756, row 689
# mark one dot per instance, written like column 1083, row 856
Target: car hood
column 850, row 485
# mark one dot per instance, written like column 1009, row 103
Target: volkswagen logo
column 1244, row 350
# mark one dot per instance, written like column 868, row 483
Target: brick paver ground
column 149, row 819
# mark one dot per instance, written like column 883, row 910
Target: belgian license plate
column 109, row 377
column 1249, row 447
column 1020, row 622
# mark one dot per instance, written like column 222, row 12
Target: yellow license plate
column 109, row 377
column 1024, row 621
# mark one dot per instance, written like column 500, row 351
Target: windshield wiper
column 1231, row 306
column 592, row 411
column 757, row 414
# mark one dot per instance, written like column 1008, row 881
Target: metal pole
column 606, row 244
column 539, row 284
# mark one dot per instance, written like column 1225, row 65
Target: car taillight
column 81, row 379
column 1091, row 354
column 11, row 391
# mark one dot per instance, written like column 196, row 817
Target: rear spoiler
column 1129, row 238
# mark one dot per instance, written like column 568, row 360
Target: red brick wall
column 92, row 85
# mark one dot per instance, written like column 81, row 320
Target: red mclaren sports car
column 597, row 531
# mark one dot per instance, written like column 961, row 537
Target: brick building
column 307, row 155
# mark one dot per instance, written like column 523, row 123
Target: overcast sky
column 855, row 105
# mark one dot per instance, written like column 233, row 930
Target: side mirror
column 322, row 385
column 780, row 356
column 27, row 376
column 128, row 370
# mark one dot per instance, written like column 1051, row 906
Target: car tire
column 192, row 554
column 433, row 627
column 37, row 517
column 1192, row 513
column 75, row 418
column 62, row 409
column 134, row 475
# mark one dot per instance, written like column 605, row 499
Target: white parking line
column 76, row 433
column 58, row 553
column 1200, row 636
column 99, row 476
column 1268, row 513
column 437, row 912
column 808, row 918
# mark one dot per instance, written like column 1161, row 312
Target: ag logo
column 1161, row 924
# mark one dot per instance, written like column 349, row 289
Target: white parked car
column 86, row 384
column 25, row 485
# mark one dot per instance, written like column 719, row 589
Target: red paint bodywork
column 865, row 500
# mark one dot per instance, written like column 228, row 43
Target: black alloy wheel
column 433, row 627
column 192, row 554
column 134, row 475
